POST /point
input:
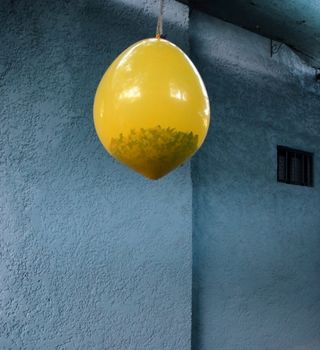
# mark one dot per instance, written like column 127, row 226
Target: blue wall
column 92, row 256
column 256, row 242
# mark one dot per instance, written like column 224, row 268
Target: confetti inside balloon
column 151, row 109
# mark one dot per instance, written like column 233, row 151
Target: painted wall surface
column 92, row 256
column 256, row 242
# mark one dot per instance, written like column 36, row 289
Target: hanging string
column 159, row 31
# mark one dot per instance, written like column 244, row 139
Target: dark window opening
column 295, row 167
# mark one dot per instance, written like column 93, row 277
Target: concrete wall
column 92, row 256
column 256, row 242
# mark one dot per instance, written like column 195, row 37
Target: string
column 159, row 31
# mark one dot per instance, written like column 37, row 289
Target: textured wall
column 295, row 22
column 92, row 256
column 256, row 241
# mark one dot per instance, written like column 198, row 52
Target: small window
column 295, row 167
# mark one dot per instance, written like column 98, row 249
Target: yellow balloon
column 151, row 109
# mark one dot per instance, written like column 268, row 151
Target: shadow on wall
column 255, row 242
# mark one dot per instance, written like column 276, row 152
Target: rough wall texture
column 92, row 256
column 256, row 241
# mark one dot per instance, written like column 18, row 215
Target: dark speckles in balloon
column 156, row 148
